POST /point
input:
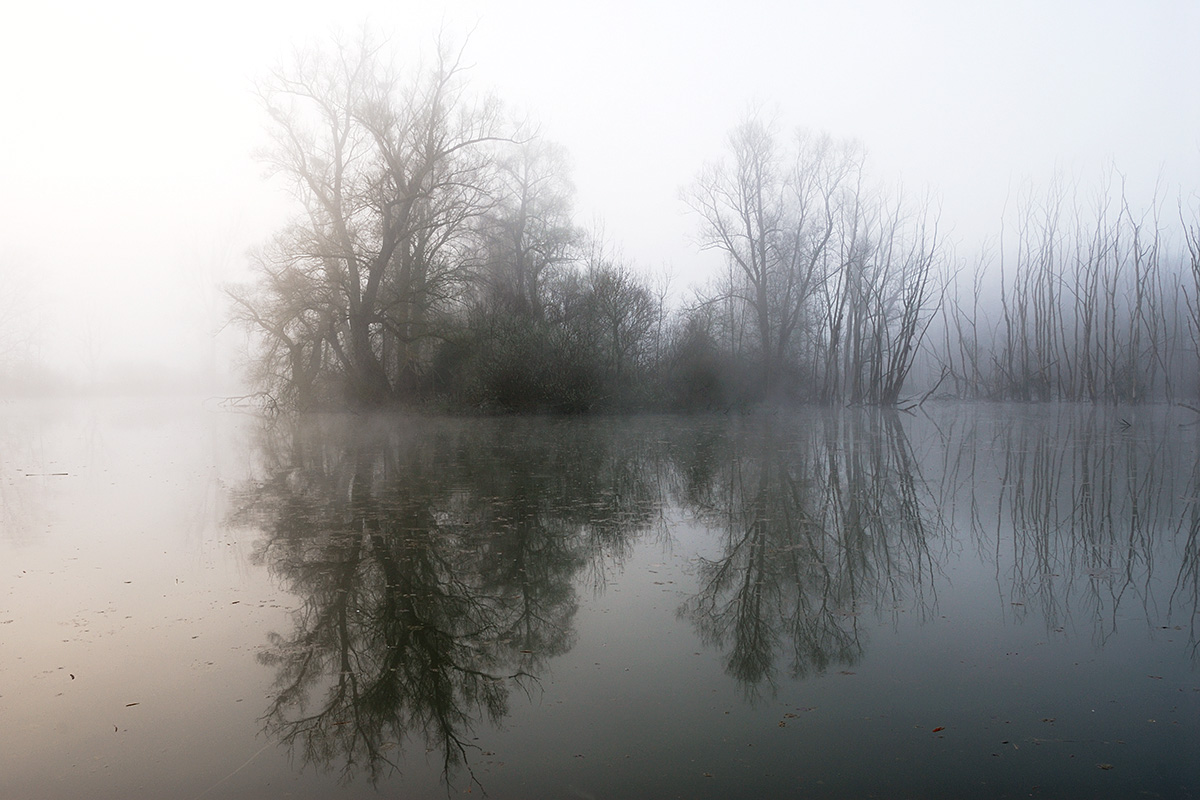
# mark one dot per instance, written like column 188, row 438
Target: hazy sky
column 128, row 187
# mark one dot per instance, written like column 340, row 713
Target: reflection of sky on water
column 707, row 606
column 118, row 588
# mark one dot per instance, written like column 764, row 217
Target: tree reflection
column 438, row 562
column 436, row 565
column 820, row 521
column 1186, row 595
column 828, row 516
column 1075, row 507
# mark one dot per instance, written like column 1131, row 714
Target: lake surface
column 972, row 601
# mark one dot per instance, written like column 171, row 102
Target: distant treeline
column 437, row 262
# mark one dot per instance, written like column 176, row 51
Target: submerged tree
column 878, row 306
column 1191, row 283
column 1095, row 305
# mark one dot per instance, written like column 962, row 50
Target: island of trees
column 436, row 262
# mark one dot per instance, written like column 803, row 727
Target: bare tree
column 392, row 176
column 1191, row 284
column 1087, row 312
column 741, row 208
column 839, row 282
column 774, row 214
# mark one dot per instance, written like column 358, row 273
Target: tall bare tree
column 741, row 209
column 1192, row 279
column 391, row 174
column 836, row 280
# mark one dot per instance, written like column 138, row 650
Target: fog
column 130, row 194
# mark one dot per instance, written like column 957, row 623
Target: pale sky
column 128, row 187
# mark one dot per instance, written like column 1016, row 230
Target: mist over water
column 573, row 400
column 987, row 598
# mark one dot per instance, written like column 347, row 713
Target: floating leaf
column 939, row 728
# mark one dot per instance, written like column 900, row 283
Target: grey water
column 968, row 601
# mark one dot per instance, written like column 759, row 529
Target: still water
column 973, row 601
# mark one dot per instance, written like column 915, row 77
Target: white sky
column 128, row 186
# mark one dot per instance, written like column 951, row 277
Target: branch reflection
column 439, row 562
column 1185, row 597
column 1085, row 505
column 821, row 519
column 437, row 572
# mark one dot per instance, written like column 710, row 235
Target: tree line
column 1097, row 303
column 436, row 261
